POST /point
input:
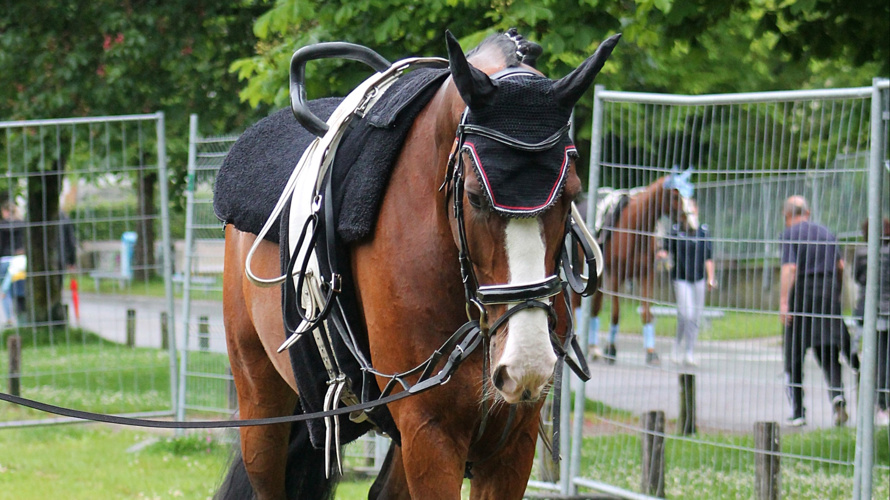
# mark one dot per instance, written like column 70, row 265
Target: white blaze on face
column 528, row 356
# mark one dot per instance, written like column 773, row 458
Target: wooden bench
column 205, row 282
column 123, row 280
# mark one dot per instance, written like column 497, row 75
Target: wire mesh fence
column 82, row 237
column 98, row 334
column 749, row 153
column 204, row 376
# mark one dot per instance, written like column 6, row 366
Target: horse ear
column 475, row 87
column 572, row 86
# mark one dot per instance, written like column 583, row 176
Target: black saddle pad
column 254, row 173
column 252, row 179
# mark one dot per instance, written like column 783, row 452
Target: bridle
column 518, row 297
column 524, row 296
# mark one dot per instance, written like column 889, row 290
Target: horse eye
column 474, row 199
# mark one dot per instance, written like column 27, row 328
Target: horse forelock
column 498, row 49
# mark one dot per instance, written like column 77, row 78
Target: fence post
column 204, row 333
column 653, row 453
column 131, row 328
column 687, row 404
column 165, row 331
column 767, row 472
column 14, row 344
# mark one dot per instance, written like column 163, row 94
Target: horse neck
column 647, row 207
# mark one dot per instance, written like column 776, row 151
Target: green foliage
column 61, row 58
column 707, row 46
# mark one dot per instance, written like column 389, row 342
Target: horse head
column 679, row 203
column 512, row 176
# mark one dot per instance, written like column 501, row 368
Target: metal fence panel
column 750, row 152
column 87, row 218
column 205, row 378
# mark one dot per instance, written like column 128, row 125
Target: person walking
column 692, row 273
column 882, row 328
column 810, row 307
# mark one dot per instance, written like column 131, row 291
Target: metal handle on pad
column 325, row 50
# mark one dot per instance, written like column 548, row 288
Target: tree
column 689, row 47
column 61, row 58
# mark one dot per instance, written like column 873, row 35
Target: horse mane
column 512, row 47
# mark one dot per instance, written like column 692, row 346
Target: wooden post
column 767, row 472
column 204, row 333
column 131, row 328
column 686, row 422
column 653, row 453
column 14, row 344
column 231, row 391
column 165, row 331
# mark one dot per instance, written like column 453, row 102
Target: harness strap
column 468, row 128
column 501, row 294
column 468, row 468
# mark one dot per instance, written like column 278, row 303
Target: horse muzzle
column 526, row 363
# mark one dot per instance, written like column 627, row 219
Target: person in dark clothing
column 690, row 247
column 860, row 271
column 810, row 307
column 67, row 243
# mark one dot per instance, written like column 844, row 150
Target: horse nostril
column 526, row 395
column 498, row 378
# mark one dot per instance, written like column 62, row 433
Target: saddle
column 268, row 185
column 356, row 182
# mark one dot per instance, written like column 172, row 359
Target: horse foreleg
column 433, row 461
column 593, row 335
column 648, row 321
column 391, row 483
column 612, row 349
column 505, row 475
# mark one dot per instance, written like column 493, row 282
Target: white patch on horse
column 528, row 355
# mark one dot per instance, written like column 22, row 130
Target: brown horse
column 629, row 253
column 412, row 296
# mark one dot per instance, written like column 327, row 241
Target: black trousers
column 882, row 383
column 827, row 357
column 815, row 310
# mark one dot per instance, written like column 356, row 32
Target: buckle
column 336, row 282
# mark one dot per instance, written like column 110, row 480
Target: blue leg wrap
column 649, row 335
column 593, row 335
column 613, row 333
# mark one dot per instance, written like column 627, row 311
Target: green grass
column 83, row 462
column 77, row 369
column 93, row 462
column 154, row 287
column 732, row 326
column 721, row 466
column 105, row 462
